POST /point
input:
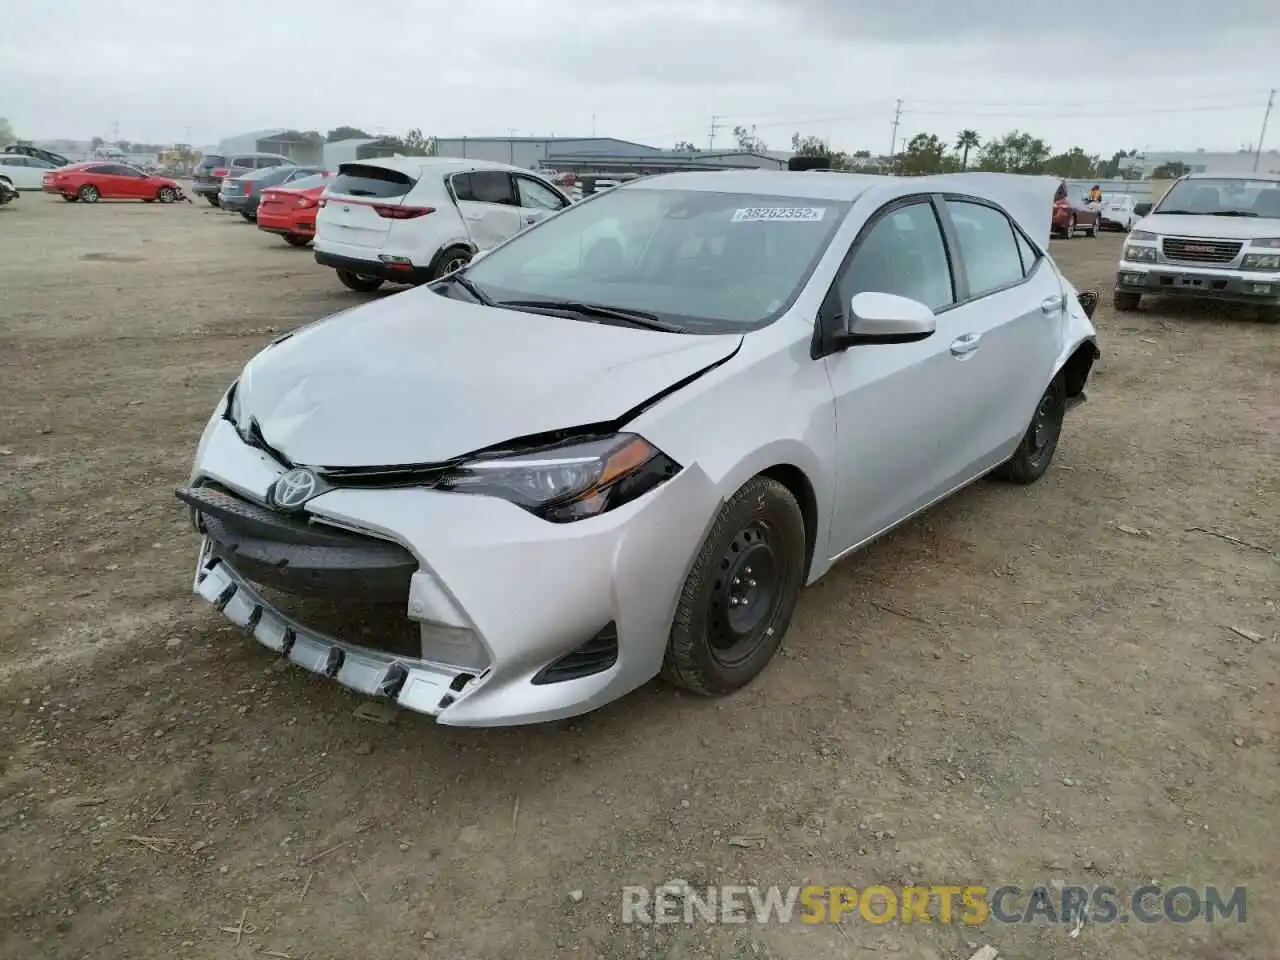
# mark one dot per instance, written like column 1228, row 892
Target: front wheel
column 1034, row 454
column 737, row 602
column 1097, row 226
column 167, row 195
column 1125, row 301
column 359, row 282
column 451, row 260
column 89, row 193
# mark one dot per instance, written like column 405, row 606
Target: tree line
column 928, row 153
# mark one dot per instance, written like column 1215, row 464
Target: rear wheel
column 1034, row 454
column 89, row 193
column 452, row 259
column 213, row 200
column 1070, row 230
column 359, row 282
column 737, row 602
column 296, row 240
column 1125, row 301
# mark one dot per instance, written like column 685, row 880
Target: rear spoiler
column 809, row 163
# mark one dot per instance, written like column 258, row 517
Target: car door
column 900, row 408
column 134, row 184
column 108, row 179
column 489, row 206
column 1011, row 316
column 537, row 200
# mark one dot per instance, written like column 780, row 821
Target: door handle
column 1051, row 305
column 965, row 345
column 530, row 219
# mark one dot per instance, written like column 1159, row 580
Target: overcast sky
column 1188, row 74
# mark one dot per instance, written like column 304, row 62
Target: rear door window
column 493, row 186
column 362, row 180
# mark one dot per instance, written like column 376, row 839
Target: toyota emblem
column 294, row 488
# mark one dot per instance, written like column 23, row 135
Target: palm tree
column 968, row 140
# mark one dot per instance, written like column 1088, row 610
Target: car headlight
column 1261, row 261
column 1271, row 243
column 1143, row 235
column 570, row 481
column 1139, row 254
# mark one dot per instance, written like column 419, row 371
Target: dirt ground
column 1026, row 685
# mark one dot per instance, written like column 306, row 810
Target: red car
column 290, row 210
column 1069, row 216
column 103, row 180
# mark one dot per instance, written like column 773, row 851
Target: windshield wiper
column 470, row 287
column 1233, row 213
column 635, row 318
column 1182, row 213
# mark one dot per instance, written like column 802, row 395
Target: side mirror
column 886, row 318
column 1142, row 209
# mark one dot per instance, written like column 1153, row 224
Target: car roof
column 1272, row 177
column 422, row 165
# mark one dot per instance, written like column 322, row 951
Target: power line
column 1133, row 114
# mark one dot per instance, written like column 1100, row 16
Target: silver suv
column 1212, row 236
column 213, row 168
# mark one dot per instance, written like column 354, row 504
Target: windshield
column 306, row 183
column 705, row 262
column 1239, row 197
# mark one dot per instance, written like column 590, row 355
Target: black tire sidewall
column 1032, row 464
column 447, row 257
column 690, row 660
column 353, row 281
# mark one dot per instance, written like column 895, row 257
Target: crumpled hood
column 1226, row 228
column 420, row 378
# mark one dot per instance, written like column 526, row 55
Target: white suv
column 416, row 219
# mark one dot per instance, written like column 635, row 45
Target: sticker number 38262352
column 800, row 214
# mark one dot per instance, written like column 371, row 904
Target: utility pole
column 715, row 126
column 1257, row 154
column 897, row 119
column 593, row 124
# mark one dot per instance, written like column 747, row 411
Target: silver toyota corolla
column 619, row 444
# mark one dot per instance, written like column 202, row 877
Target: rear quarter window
column 360, row 180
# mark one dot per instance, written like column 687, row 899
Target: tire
column 1070, row 231
column 295, row 240
column 727, row 627
column 1096, row 228
column 89, row 193
column 167, row 195
column 213, row 200
column 359, row 282
column 450, row 260
column 1125, row 301
column 70, row 199
column 1035, row 452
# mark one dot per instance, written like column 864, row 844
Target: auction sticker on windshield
column 800, row 214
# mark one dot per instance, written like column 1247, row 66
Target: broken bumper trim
column 412, row 684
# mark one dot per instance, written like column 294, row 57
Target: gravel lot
column 1024, row 685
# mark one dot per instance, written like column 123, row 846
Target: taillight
column 304, row 202
column 220, row 172
column 402, row 213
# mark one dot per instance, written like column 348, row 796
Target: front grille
column 595, row 656
column 1192, row 250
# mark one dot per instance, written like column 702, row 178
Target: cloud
column 653, row 70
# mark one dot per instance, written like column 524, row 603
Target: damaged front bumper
column 512, row 619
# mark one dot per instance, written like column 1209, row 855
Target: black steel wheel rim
column 745, row 595
column 1042, row 427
